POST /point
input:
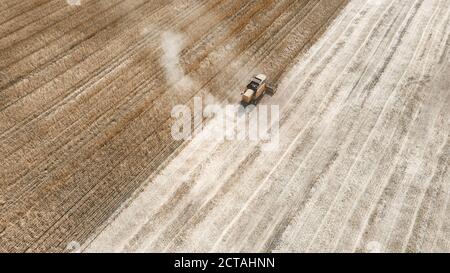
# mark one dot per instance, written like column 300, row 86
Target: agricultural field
column 89, row 162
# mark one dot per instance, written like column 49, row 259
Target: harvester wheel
column 270, row 90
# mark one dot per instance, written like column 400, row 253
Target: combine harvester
column 256, row 89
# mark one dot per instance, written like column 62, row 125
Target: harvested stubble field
column 86, row 93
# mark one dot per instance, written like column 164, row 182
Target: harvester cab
column 255, row 90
